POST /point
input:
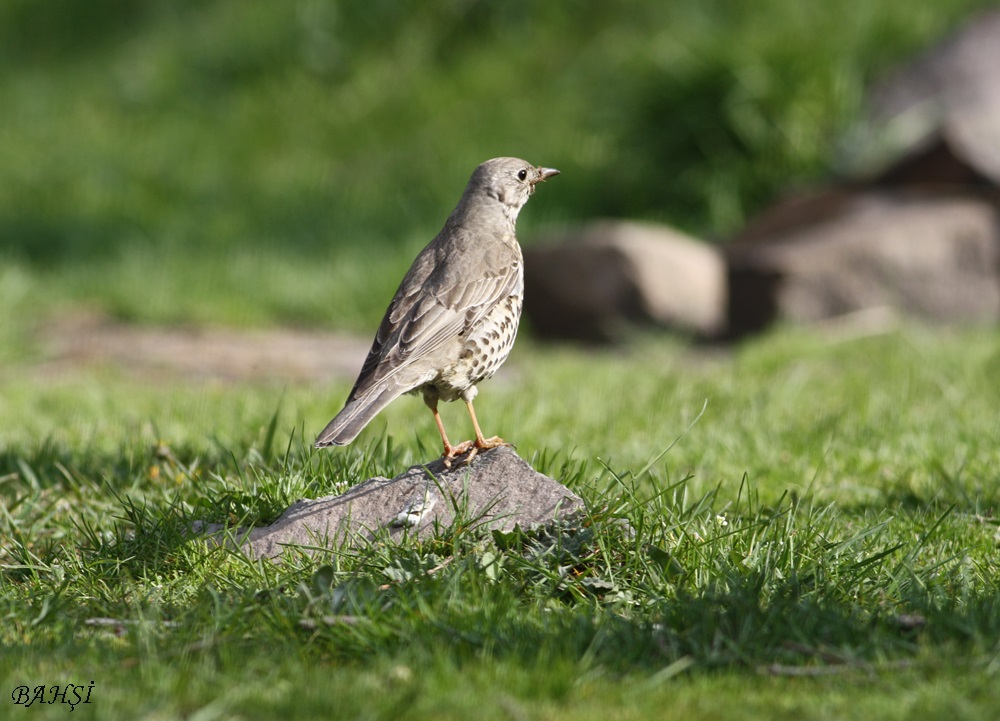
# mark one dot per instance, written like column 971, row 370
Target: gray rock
column 590, row 283
column 936, row 258
column 498, row 490
column 915, row 233
column 936, row 119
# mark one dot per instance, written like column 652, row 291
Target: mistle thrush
column 453, row 320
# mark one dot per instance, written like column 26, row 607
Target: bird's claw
column 453, row 452
column 470, row 449
column 494, row 442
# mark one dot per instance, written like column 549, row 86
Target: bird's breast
column 485, row 347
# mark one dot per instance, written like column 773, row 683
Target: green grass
column 831, row 493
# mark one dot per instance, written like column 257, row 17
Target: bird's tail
column 356, row 414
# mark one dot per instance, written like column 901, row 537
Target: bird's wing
column 429, row 309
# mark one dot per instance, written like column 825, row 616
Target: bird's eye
column 522, row 174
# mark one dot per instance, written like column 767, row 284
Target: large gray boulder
column 916, row 231
column 590, row 283
column 936, row 119
column 933, row 257
column 498, row 490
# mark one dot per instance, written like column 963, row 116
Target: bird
column 453, row 320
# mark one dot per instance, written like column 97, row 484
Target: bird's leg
column 481, row 444
column 450, row 452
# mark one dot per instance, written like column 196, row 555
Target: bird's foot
column 484, row 444
column 470, row 449
column 452, row 452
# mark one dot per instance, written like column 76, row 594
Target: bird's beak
column 546, row 173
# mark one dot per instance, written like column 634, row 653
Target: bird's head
column 509, row 180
